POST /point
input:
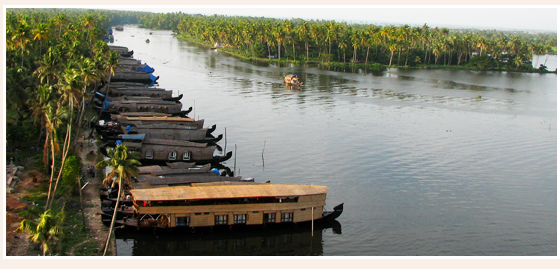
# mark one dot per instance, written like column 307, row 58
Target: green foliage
column 330, row 41
column 45, row 230
column 482, row 62
column 71, row 173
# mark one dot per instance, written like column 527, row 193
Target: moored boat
column 155, row 151
column 138, row 105
column 292, row 79
column 225, row 204
column 134, row 76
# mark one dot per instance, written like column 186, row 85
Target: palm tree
column 60, row 20
column 70, row 87
column 45, row 231
column 49, row 66
column 40, row 32
column 124, row 167
column 109, row 65
column 55, row 114
column 21, row 35
column 303, row 34
column 280, row 36
column 88, row 71
column 38, row 106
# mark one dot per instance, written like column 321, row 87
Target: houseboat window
column 186, row 156
column 172, row 155
column 182, row 221
column 149, row 154
column 197, row 214
column 221, row 220
column 269, row 217
column 240, row 219
column 287, row 217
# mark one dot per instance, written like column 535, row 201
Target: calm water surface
column 427, row 162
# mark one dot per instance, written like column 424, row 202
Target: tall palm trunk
column 52, row 171
column 114, row 217
column 279, row 49
column 307, row 50
column 65, row 148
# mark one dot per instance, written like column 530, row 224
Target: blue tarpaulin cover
column 146, row 68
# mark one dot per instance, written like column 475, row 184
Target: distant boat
column 147, row 41
column 119, row 28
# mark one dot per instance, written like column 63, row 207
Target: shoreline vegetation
column 56, row 58
column 351, row 46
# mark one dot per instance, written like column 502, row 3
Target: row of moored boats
column 182, row 184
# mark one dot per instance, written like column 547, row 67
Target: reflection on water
column 275, row 241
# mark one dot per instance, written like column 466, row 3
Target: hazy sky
column 495, row 17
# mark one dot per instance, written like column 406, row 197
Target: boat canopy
column 225, row 192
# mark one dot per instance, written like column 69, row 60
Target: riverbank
column 27, row 194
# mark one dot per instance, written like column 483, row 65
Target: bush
column 482, row 63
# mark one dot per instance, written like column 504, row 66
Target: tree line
column 55, row 59
column 326, row 42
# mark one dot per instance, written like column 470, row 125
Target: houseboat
column 119, row 49
column 114, row 126
column 223, row 204
column 134, row 76
column 139, row 105
column 163, row 131
column 156, row 151
column 135, row 91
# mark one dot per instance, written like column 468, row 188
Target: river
column 427, row 162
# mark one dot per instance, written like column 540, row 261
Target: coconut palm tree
column 123, row 167
column 55, row 114
column 45, row 231
column 89, row 72
column 38, row 106
column 49, row 66
column 303, row 34
column 70, row 88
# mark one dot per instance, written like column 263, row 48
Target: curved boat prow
column 331, row 215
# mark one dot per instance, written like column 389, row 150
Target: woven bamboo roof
column 225, row 191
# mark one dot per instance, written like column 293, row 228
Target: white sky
column 483, row 17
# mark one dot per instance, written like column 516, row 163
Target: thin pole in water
column 312, row 220
column 262, row 155
column 235, row 160
column 225, row 134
